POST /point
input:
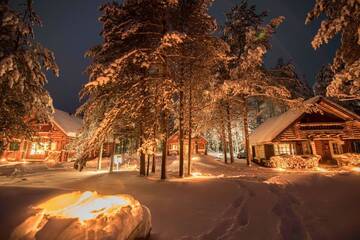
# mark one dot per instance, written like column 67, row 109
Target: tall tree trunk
column 190, row 130
column 112, row 156
column 181, row 134
column 223, row 136
column 148, row 165
column 153, row 165
column 231, row 149
column 163, row 144
column 142, row 154
column 100, row 157
column 246, row 134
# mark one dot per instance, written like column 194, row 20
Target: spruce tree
column 23, row 62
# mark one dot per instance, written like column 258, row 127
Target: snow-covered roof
column 272, row 127
column 69, row 124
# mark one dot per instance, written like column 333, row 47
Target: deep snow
column 235, row 202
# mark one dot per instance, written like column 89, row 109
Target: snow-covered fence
column 294, row 161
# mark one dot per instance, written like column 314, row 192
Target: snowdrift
column 294, row 161
column 86, row 215
column 348, row 159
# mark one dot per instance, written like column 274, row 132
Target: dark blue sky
column 70, row 27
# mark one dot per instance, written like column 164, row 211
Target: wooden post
column 100, row 156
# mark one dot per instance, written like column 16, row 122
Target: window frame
column 11, row 146
column 36, row 150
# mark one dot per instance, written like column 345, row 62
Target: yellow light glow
column 280, row 169
column 82, row 206
column 319, row 169
column 196, row 174
column 355, row 169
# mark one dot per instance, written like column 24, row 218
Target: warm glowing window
column 53, row 146
column 284, row 149
column 260, row 151
column 174, row 147
column 39, row 148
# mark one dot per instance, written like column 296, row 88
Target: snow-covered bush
column 87, row 215
column 348, row 159
column 294, row 161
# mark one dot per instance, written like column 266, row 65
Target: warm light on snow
column 83, row 206
column 280, row 169
column 86, row 213
column 319, row 169
column 196, row 174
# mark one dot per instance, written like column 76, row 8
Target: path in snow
column 257, row 204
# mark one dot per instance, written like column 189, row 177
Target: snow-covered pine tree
column 190, row 59
column 238, row 21
column 342, row 17
column 322, row 81
column 242, row 76
column 128, row 83
column 285, row 74
column 247, row 77
column 22, row 79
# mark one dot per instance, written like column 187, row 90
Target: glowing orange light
column 355, row 169
column 196, row 174
column 280, row 169
column 91, row 210
column 319, row 169
column 84, row 206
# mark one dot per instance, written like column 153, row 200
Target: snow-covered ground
column 219, row 202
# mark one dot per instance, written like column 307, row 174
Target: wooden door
column 323, row 149
column 326, row 151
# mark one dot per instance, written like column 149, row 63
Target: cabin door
column 323, row 149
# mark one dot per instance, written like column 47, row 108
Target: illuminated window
column 174, row 147
column 284, row 149
column 53, row 146
column 260, row 151
column 39, row 148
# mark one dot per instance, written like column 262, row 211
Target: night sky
column 70, row 28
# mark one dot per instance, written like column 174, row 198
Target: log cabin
column 49, row 142
column 332, row 131
column 198, row 145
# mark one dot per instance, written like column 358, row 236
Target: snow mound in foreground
column 87, row 215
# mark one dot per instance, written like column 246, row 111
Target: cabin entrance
column 323, row 149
